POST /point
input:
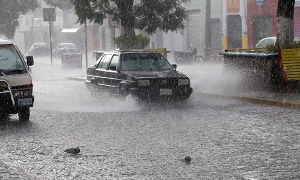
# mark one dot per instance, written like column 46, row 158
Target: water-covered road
column 226, row 139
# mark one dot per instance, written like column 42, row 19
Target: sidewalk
column 288, row 100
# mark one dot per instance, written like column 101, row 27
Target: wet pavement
column 10, row 171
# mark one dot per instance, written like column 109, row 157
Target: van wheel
column 24, row 114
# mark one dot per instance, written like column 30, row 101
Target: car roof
column 66, row 43
column 39, row 43
column 5, row 41
column 269, row 38
column 130, row 51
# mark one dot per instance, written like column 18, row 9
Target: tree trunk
column 126, row 17
column 285, row 22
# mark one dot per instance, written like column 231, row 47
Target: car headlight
column 3, row 86
column 183, row 82
column 143, row 83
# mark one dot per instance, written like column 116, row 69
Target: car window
column 144, row 62
column 262, row 44
column 270, row 42
column 114, row 61
column 105, row 61
column 10, row 60
column 100, row 60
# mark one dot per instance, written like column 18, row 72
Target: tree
column 147, row 15
column 61, row 4
column 10, row 11
column 285, row 22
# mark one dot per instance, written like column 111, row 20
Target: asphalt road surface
column 123, row 139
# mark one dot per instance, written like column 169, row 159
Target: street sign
column 49, row 14
column 260, row 3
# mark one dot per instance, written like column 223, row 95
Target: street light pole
column 207, row 29
column 32, row 29
column 86, row 50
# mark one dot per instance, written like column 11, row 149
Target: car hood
column 155, row 74
column 17, row 79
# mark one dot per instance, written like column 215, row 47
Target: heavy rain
column 239, row 122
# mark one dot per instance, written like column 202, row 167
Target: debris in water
column 73, row 150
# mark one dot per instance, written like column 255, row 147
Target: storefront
column 260, row 21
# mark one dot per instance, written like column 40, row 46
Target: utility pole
column 207, row 29
column 86, row 50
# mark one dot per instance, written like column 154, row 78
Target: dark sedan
column 39, row 49
column 64, row 48
column 144, row 74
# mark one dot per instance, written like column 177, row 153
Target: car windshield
column 144, row 62
column 10, row 61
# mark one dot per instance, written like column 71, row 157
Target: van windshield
column 10, row 61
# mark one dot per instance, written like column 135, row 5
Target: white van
column 15, row 81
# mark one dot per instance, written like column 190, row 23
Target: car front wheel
column 123, row 91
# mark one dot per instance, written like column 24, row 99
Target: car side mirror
column 174, row 66
column 114, row 68
column 29, row 60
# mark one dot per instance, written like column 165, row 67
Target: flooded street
column 122, row 139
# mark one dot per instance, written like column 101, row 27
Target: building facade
column 202, row 14
column 245, row 22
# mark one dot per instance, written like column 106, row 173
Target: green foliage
column 274, row 49
column 294, row 45
column 271, row 49
column 148, row 15
column 62, row 4
column 10, row 11
column 131, row 42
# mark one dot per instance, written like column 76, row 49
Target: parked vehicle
column 188, row 56
column 265, row 42
column 15, row 81
column 64, row 48
column 146, row 75
column 39, row 49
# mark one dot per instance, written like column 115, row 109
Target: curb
column 254, row 100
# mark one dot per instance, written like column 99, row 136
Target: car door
column 113, row 74
column 101, row 71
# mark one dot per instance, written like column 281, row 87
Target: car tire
column 24, row 114
column 123, row 91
